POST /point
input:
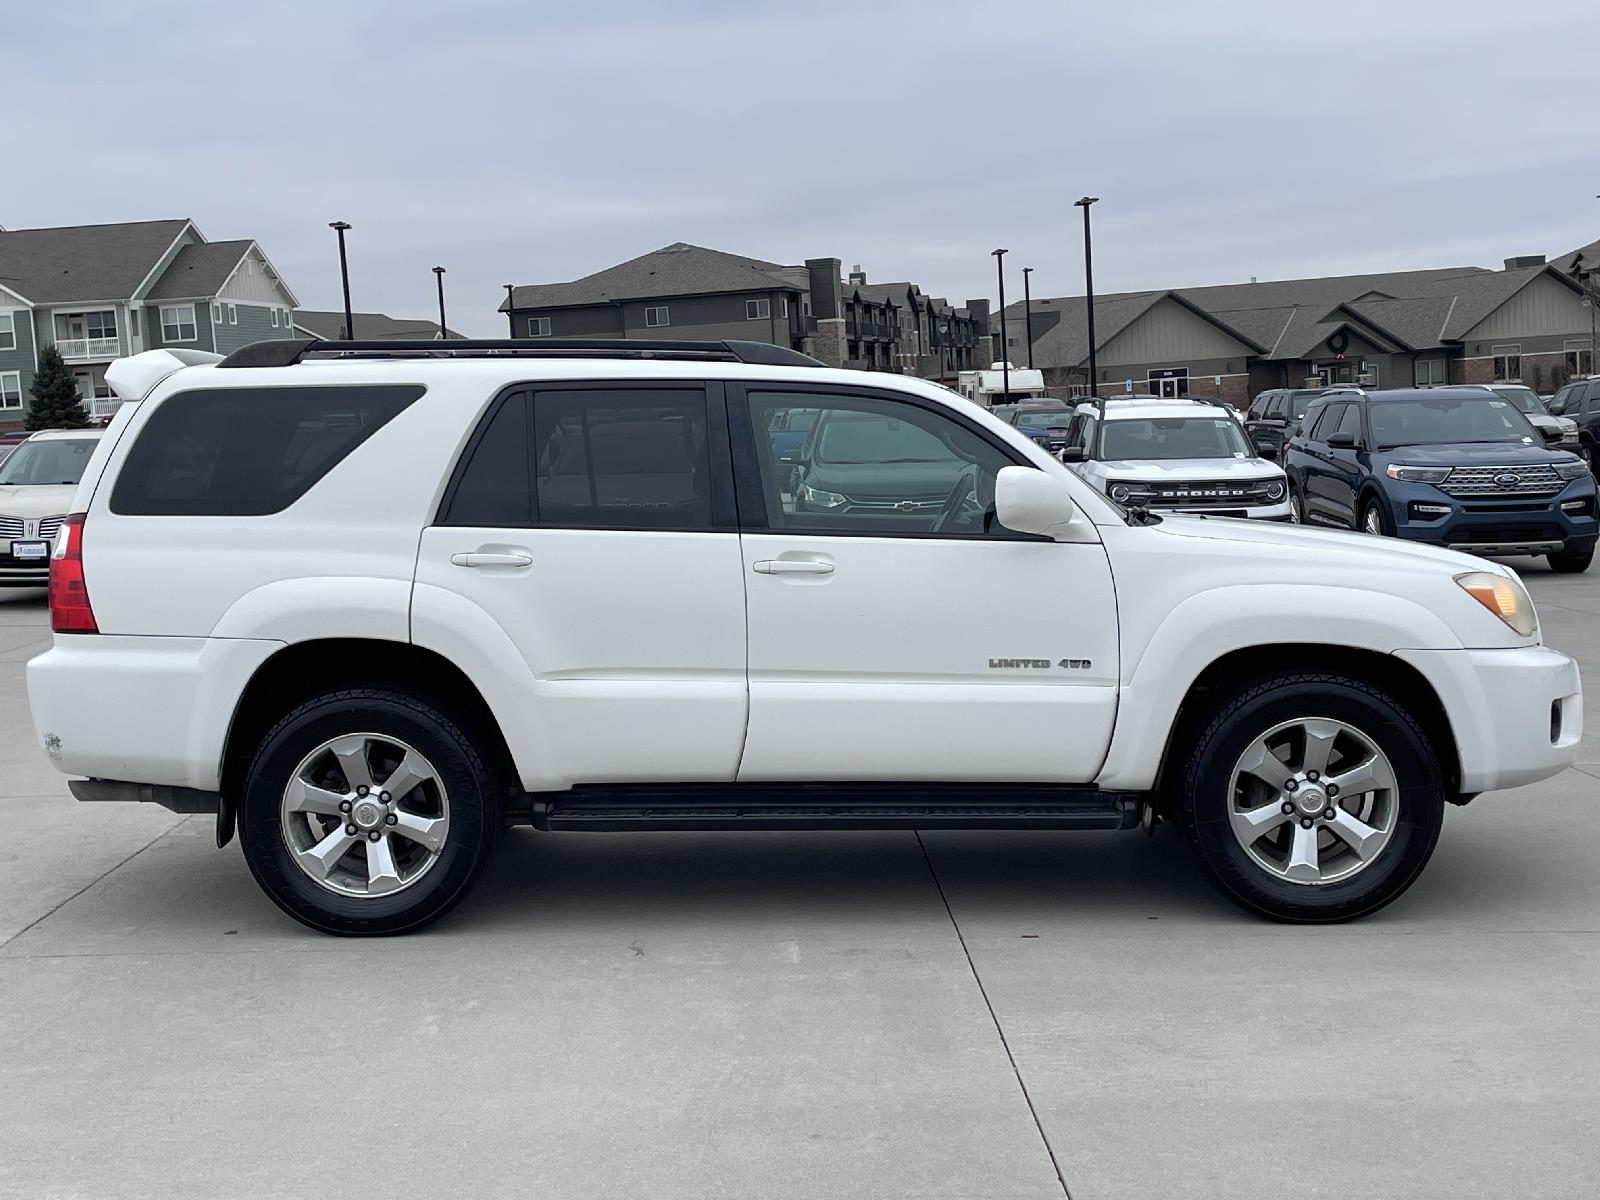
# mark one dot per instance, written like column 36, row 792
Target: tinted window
column 1558, row 406
column 1320, row 422
column 875, row 466
column 618, row 459
column 1349, row 421
column 495, row 488
column 241, row 452
column 1448, row 419
column 51, row 460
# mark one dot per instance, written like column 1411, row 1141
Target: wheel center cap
column 1310, row 799
column 368, row 814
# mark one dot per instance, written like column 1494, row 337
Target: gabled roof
column 84, row 262
column 1590, row 255
column 676, row 270
column 1066, row 343
column 199, row 270
column 370, row 327
column 1324, row 291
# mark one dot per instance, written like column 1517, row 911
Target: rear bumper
column 1517, row 714
column 153, row 710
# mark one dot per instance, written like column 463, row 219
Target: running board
column 625, row 807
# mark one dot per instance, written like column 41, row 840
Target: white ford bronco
column 370, row 603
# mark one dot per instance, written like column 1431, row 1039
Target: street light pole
column 1005, row 360
column 438, row 275
column 1088, row 300
column 1027, row 313
column 339, row 227
column 511, row 320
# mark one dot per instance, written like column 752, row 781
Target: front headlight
column 1505, row 598
column 1572, row 470
column 1417, row 474
column 821, row 498
column 1120, row 492
column 1275, row 490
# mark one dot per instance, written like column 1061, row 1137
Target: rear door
column 595, row 525
column 1319, row 484
column 897, row 631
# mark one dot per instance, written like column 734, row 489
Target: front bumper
column 1502, row 525
column 1517, row 714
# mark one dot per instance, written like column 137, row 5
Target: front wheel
column 1571, row 562
column 1312, row 798
column 1372, row 519
column 367, row 811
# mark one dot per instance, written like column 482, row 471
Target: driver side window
column 874, row 467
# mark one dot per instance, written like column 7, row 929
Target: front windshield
column 54, row 461
column 1443, row 421
column 1174, row 437
column 1046, row 420
column 1526, row 399
column 868, row 438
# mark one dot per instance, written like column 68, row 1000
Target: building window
column 177, row 323
column 757, row 310
column 133, row 322
column 233, row 314
column 805, row 306
column 1428, row 372
column 783, row 306
column 1507, row 363
column 1169, row 382
column 216, row 314
column 538, row 326
column 274, row 318
column 656, row 316
column 1579, row 355
column 10, row 389
column 8, row 331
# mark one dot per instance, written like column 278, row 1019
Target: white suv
column 1176, row 454
column 378, row 601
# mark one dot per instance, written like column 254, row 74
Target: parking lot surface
column 798, row 1015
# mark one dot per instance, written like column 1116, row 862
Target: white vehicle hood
column 39, row 500
column 1321, row 547
column 1191, row 470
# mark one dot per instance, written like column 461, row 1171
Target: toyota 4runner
column 373, row 602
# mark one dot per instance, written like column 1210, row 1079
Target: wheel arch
column 303, row 669
column 1409, row 687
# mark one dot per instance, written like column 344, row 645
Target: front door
column 896, row 631
column 83, row 377
column 596, row 526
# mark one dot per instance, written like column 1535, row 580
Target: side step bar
column 624, row 808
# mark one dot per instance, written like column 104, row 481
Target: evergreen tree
column 55, row 395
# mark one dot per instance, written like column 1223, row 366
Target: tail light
column 69, row 598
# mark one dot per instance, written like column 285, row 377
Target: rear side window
column 495, row 489
column 248, row 452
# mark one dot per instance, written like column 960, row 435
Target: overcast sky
column 539, row 141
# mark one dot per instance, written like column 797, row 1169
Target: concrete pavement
column 955, row 1015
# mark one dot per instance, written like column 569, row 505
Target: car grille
column 1200, row 494
column 50, row 526
column 16, row 527
column 1467, row 482
column 11, row 527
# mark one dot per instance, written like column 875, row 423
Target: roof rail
column 287, row 352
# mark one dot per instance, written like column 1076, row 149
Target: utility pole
column 340, row 227
column 1027, row 313
column 1088, row 300
column 1005, row 358
column 438, row 274
column 511, row 321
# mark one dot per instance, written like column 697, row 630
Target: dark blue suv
column 1456, row 467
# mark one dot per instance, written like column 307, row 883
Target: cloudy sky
column 538, row 141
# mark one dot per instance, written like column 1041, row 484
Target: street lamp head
column 998, row 253
column 1027, row 270
column 341, row 226
column 438, row 270
column 1086, row 201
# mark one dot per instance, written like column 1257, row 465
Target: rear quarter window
column 248, row 452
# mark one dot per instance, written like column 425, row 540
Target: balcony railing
column 82, row 348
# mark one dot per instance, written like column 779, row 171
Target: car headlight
column 1505, row 598
column 1120, row 492
column 1417, row 474
column 821, row 498
column 1572, row 470
column 1275, row 490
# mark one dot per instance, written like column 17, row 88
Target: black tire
column 1571, row 562
column 1297, row 504
column 1370, row 507
column 1249, row 712
column 469, row 784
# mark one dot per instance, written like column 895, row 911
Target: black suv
column 1456, row 467
column 1580, row 401
column 1273, row 415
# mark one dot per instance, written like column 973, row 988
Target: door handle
column 482, row 558
column 792, row 566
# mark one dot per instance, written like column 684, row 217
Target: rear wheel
column 1571, row 562
column 1312, row 798
column 367, row 812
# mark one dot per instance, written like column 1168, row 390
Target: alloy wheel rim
column 1313, row 801
column 365, row 815
column 1294, row 507
column 1373, row 523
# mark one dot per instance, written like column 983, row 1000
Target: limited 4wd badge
column 1039, row 664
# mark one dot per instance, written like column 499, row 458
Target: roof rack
column 287, row 352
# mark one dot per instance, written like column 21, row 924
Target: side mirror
column 1074, row 454
column 1551, row 436
column 1341, row 441
column 1266, row 449
column 1032, row 501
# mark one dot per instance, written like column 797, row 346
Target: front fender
column 1214, row 623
